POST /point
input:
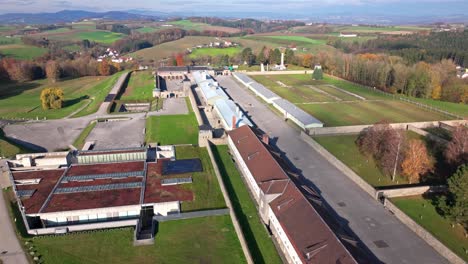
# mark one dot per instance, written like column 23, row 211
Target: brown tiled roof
column 104, row 168
column 259, row 160
column 311, row 237
column 49, row 178
column 313, row 240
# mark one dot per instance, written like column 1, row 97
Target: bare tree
column 457, row 149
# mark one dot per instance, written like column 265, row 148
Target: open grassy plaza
column 338, row 102
column 205, row 186
column 22, row 100
column 259, row 242
column 423, row 211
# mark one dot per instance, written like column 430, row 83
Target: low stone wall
column 277, row 72
column 83, row 227
column 342, row 130
column 421, row 232
column 410, row 191
column 339, row 165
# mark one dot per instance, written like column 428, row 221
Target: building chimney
column 266, row 139
column 234, row 122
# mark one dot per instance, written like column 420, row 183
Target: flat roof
column 48, row 179
column 265, row 92
column 110, row 151
column 297, row 112
column 243, row 77
column 93, row 186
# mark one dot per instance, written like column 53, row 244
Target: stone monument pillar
column 262, row 67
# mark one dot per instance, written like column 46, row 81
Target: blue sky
column 303, row 7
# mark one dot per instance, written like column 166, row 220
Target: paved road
column 13, row 253
column 365, row 216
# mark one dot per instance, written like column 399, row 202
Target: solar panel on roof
column 25, row 193
column 116, row 175
column 97, row 188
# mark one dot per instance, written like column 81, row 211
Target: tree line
column 249, row 25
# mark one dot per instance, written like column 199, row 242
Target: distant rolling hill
column 67, row 16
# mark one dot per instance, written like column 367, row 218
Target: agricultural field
column 23, row 52
column 384, row 30
column 337, row 102
column 197, row 53
column 22, row 100
column 423, row 211
column 259, row 242
column 81, row 32
column 168, row 49
column 205, row 186
column 256, row 42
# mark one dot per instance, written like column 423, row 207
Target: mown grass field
column 173, row 129
column 232, row 51
column 22, row 100
column 256, row 42
column 422, row 211
column 81, row 32
column 368, row 29
column 345, row 149
column 351, row 111
column 205, row 186
column 81, row 140
column 140, row 86
column 260, row 244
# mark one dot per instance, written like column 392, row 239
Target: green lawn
column 81, row 140
column 188, row 25
column 424, row 213
column 173, row 129
column 147, row 29
column 256, row 42
column 105, row 37
column 22, row 100
column 260, row 244
column 8, row 41
column 20, row 51
column 232, row 51
column 140, row 86
column 9, row 149
column 345, row 149
column 205, row 186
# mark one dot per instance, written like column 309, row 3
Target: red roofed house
column 301, row 233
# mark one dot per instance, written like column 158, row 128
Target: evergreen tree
column 318, row 74
column 455, row 204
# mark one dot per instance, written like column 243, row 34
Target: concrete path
column 388, row 239
column 10, row 248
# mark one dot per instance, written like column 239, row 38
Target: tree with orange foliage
column 416, row 161
column 104, row 68
column 369, row 56
column 307, row 60
column 180, row 59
